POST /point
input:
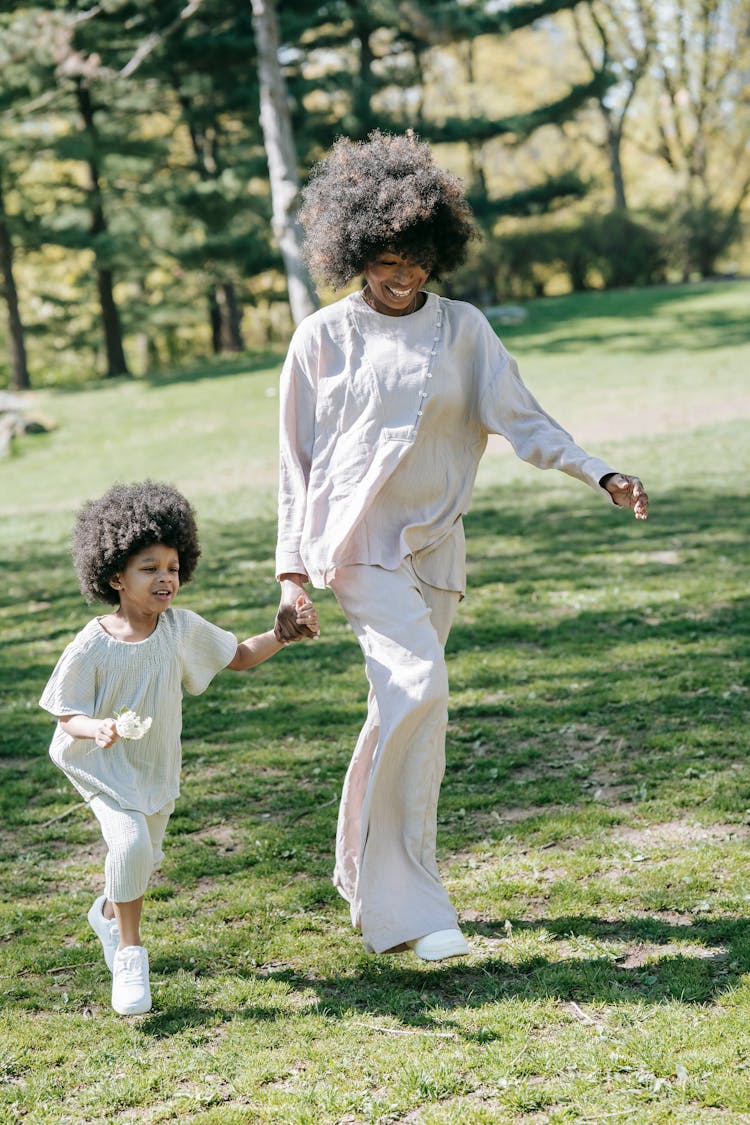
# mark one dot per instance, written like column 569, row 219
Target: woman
column 387, row 400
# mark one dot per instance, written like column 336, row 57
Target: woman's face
column 394, row 282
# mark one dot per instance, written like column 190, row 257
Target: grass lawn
column 595, row 819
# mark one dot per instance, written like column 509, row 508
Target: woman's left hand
column 628, row 492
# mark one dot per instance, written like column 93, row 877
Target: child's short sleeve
column 71, row 689
column 206, row 649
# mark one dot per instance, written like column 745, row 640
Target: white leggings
column 133, row 842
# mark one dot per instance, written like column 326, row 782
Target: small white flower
column 131, row 726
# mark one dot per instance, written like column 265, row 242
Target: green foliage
column 617, row 248
column 593, row 826
column 603, row 250
column 160, row 194
column 697, row 238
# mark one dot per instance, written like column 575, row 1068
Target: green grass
column 594, row 824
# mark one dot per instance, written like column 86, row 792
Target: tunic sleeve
column 206, row 649
column 71, row 689
column 296, row 436
column 508, row 407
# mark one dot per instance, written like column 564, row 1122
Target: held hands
column 628, row 492
column 307, row 615
column 297, row 617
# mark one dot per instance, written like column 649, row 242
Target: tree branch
column 151, row 42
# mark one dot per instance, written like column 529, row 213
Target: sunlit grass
column 595, row 817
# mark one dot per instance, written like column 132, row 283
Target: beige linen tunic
column 98, row 675
column 383, row 424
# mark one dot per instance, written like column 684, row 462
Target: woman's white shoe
column 441, row 944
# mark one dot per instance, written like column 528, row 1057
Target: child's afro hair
column 127, row 518
column 385, row 193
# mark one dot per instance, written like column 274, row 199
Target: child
column 117, row 695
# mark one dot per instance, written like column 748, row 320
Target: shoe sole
column 440, row 952
column 134, row 1010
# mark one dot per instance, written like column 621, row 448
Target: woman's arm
column 296, row 437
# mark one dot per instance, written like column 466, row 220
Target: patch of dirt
column 646, row 954
column 223, row 835
column 680, row 832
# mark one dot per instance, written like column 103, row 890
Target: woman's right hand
column 287, row 628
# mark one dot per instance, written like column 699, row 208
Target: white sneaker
column 106, row 929
column 439, row 945
column 131, row 994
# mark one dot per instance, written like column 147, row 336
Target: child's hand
column 307, row 614
column 106, row 733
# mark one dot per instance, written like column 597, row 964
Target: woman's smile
column 393, row 283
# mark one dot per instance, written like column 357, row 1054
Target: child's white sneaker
column 131, row 994
column 106, row 929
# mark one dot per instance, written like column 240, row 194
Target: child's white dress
column 98, row 675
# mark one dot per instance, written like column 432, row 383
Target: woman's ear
column 116, row 582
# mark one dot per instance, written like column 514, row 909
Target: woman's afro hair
column 385, row 193
column 127, row 518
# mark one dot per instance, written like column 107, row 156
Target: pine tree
column 19, row 83
column 358, row 95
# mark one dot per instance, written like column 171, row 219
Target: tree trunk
column 614, row 145
column 224, row 307
column 111, row 326
column 282, row 163
column 19, row 372
column 225, row 314
column 116, row 364
column 230, row 316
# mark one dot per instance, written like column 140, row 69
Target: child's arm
column 103, row 731
column 255, row 650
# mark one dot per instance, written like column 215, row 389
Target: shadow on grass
column 419, row 997
column 318, row 690
column 243, row 364
column 583, row 316
column 203, row 368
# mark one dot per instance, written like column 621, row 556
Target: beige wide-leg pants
column 385, row 843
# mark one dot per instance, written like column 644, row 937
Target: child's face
column 149, row 581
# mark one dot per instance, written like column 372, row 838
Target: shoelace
column 131, row 969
